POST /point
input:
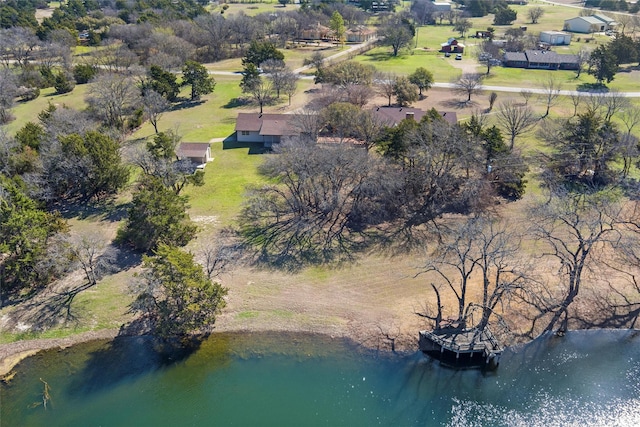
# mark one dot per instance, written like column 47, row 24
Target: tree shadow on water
column 126, row 358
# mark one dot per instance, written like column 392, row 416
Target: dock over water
column 462, row 348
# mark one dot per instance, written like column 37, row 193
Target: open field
column 252, row 9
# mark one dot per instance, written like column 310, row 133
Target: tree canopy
column 174, row 294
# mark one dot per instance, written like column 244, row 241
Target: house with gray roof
column 541, row 59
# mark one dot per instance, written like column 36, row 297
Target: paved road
column 442, row 84
column 540, row 91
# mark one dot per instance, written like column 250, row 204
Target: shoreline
column 11, row 354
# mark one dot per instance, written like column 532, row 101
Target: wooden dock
column 462, row 348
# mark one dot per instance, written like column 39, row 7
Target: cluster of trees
column 621, row 5
column 327, row 201
column 605, row 60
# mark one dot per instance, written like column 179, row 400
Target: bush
column 64, row 83
column 28, row 93
column 83, row 73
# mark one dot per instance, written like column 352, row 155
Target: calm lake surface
column 583, row 379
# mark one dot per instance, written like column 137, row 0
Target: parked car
column 447, row 54
column 459, row 56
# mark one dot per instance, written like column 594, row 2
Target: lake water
column 583, row 379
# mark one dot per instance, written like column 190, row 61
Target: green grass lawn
column 233, row 168
column 406, row 63
column 213, row 117
column 28, row 111
column 252, row 9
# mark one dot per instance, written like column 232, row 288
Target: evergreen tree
column 157, row 216
column 196, row 75
column 176, row 297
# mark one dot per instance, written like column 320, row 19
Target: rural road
column 442, row 84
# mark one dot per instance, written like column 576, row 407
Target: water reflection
column 585, row 378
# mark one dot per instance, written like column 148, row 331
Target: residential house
column 541, row 59
column 394, row 115
column 359, row 34
column 199, row 153
column 452, row 46
column 589, row 24
column 316, row 32
column 555, row 38
column 265, row 128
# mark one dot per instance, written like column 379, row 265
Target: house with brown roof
column 394, row 115
column 266, row 128
column 199, row 153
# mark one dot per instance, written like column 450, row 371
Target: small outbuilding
column 199, row 153
column 452, row 46
column 555, row 38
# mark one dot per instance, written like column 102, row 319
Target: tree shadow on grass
column 230, row 143
column 183, row 104
column 236, row 103
column 458, row 104
column 107, row 210
column 592, row 87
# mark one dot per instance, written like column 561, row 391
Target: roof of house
column 588, row 19
column 360, row 29
column 603, row 18
column 555, row 33
column 515, row 57
column 550, row 57
column 265, row 123
column 193, row 149
column 394, row 115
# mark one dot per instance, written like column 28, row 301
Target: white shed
column 555, row 38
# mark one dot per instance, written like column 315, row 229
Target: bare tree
column 111, row 97
column 582, row 58
column 576, row 99
column 479, row 249
column 488, row 52
column 386, row 85
column 613, row 103
column 468, row 84
column 515, row 119
column 551, row 92
column 8, row 91
column 276, row 70
column 220, row 255
column 17, row 44
column 526, row 94
column 535, row 13
column 290, row 84
column 155, row 105
column 630, row 116
column 319, row 199
column 262, row 92
column 574, row 229
column 369, row 127
column 93, row 255
column 307, row 123
column 623, row 20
